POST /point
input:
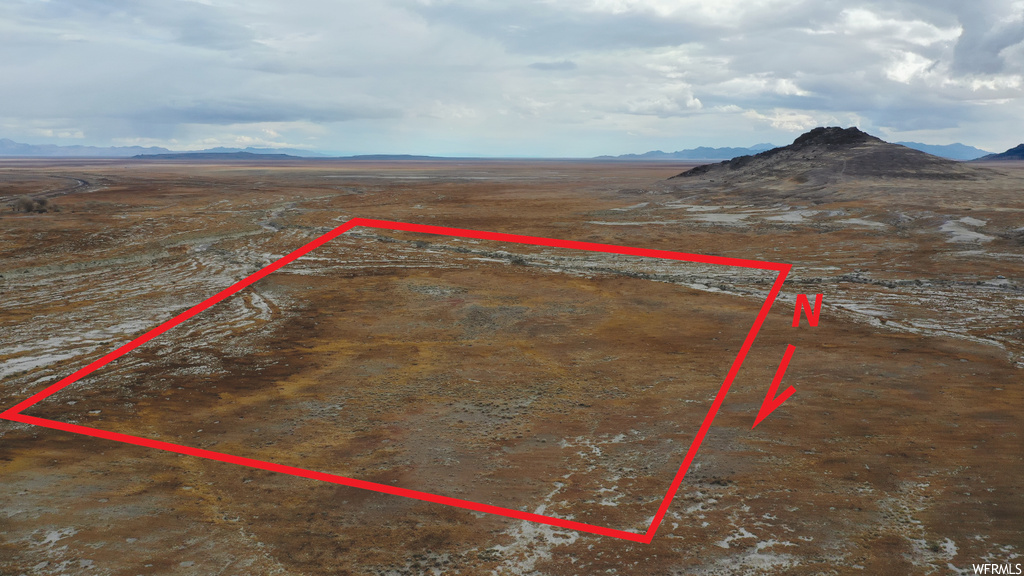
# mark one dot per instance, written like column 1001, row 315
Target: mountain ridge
column 1015, row 153
column 955, row 151
column 10, row 148
column 215, row 156
column 698, row 153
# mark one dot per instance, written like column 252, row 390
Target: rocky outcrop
column 828, row 154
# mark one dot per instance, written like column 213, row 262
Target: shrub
column 23, row 204
column 40, row 205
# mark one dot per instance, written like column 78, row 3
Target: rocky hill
column 830, row 154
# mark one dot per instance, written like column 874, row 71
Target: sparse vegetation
column 29, row 204
column 492, row 370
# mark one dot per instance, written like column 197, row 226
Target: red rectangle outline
column 15, row 413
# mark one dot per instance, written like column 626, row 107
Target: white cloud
column 864, row 21
column 663, row 106
column 792, row 120
column 63, row 134
column 720, row 12
column 906, row 66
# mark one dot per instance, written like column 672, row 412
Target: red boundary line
column 15, row 412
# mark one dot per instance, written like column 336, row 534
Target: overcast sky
column 562, row 78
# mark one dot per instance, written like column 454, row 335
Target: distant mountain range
column 264, row 156
column 956, row 151
column 952, row 151
column 261, row 157
column 11, row 148
column 288, row 151
column 700, row 153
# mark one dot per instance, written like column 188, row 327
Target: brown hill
column 829, row 154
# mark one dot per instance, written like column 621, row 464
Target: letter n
column 804, row 306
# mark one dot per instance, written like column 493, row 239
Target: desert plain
column 553, row 381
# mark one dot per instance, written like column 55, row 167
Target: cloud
column 554, row 66
column 906, row 66
column 186, row 23
column 551, row 27
column 227, row 112
column 989, row 28
column 497, row 77
column 800, row 120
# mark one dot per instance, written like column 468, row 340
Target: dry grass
column 439, row 365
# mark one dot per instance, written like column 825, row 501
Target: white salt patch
column 793, row 216
column 54, row 536
column 961, row 234
column 743, row 533
column 862, row 222
column 949, row 549
column 533, row 542
column 722, row 218
column 658, row 223
column 633, row 207
column 28, row 363
column 610, row 496
column 694, row 207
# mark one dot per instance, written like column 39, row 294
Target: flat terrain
column 551, row 381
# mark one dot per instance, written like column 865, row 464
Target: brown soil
column 535, row 379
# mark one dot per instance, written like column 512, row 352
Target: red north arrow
column 770, row 401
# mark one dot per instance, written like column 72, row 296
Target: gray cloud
column 493, row 77
column 257, row 111
column 984, row 38
column 562, row 66
column 543, row 28
column 185, row 23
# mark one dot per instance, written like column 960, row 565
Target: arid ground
column 551, row 381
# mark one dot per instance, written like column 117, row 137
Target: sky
column 515, row 78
